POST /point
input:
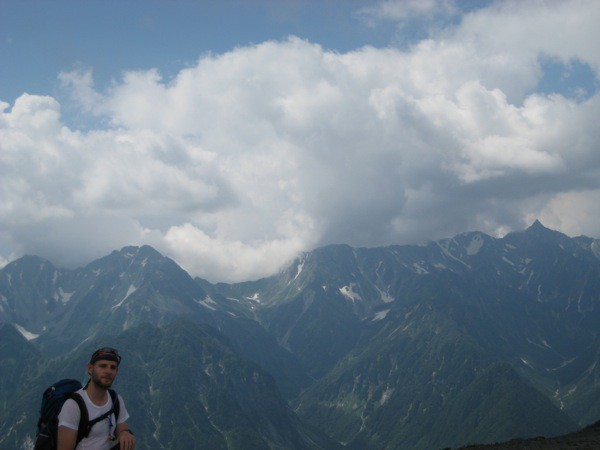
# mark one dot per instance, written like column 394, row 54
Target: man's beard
column 97, row 380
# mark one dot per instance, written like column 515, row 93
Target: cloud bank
column 246, row 158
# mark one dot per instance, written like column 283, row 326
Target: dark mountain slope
column 526, row 302
column 127, row 288
column 30, row 292
column 418, row 380
column 17, row 359
column 307, row 321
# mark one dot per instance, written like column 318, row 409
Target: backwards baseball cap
column 106, row 353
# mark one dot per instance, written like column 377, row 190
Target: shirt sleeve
column 69, row 415
column 123, row 414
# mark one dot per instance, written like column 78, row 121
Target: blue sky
column 39, row 39
column 42, row 38
column 233, row 135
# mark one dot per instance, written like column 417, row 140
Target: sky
column 233, row 135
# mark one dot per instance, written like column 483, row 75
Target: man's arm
column 67, row 438
column 125, row 438
column 68, row 421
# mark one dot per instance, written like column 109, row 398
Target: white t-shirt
column 98, row 438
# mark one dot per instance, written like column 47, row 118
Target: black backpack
column 52, row 402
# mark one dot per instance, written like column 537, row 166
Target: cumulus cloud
column 246, row 158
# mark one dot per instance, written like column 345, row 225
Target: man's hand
column 125, row 438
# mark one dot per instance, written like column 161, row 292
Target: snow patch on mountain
column 385, row 296
column 475, row 245
column 380, row 315
column 530, row 276
column 26, row 334
column 418, row 268
column 207, row 303
column 299, row 269
column 63, row 296
column 386, row 395
column 507, row 261
column 130, row 291
column 564, row 364
column 254, row 298
column 591, row 369
column 347, row 292
column 526, row 362
column 444, row 245
column 540, row 342
column 524, row 266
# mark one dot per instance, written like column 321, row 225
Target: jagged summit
column 128, row 257
column 28, row 261
column 537, row 230
column 31, row 258
column 144, row 251
column 541, row 232
column 538, row 227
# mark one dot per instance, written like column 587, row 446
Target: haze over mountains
column 472, row 339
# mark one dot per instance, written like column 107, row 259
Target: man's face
column 103, row 373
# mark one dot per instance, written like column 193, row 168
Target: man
column 110, row 431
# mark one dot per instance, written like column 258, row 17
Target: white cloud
column 81, row 84
column 575, row 211
column 246, row 158
column 227, row 259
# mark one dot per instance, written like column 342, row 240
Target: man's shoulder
column 78, row 396
column 75, row 399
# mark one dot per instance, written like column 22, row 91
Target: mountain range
column 471, row 339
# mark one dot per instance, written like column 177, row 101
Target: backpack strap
column 85, row 424
column 84, row 416
column 116, row 405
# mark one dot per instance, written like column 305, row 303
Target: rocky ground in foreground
column 587, row 438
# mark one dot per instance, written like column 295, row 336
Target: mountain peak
column 138, row 253
column 27, row 266
column 29, row 260
column 143, row 249
column 536, row 226
column 538, row 230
